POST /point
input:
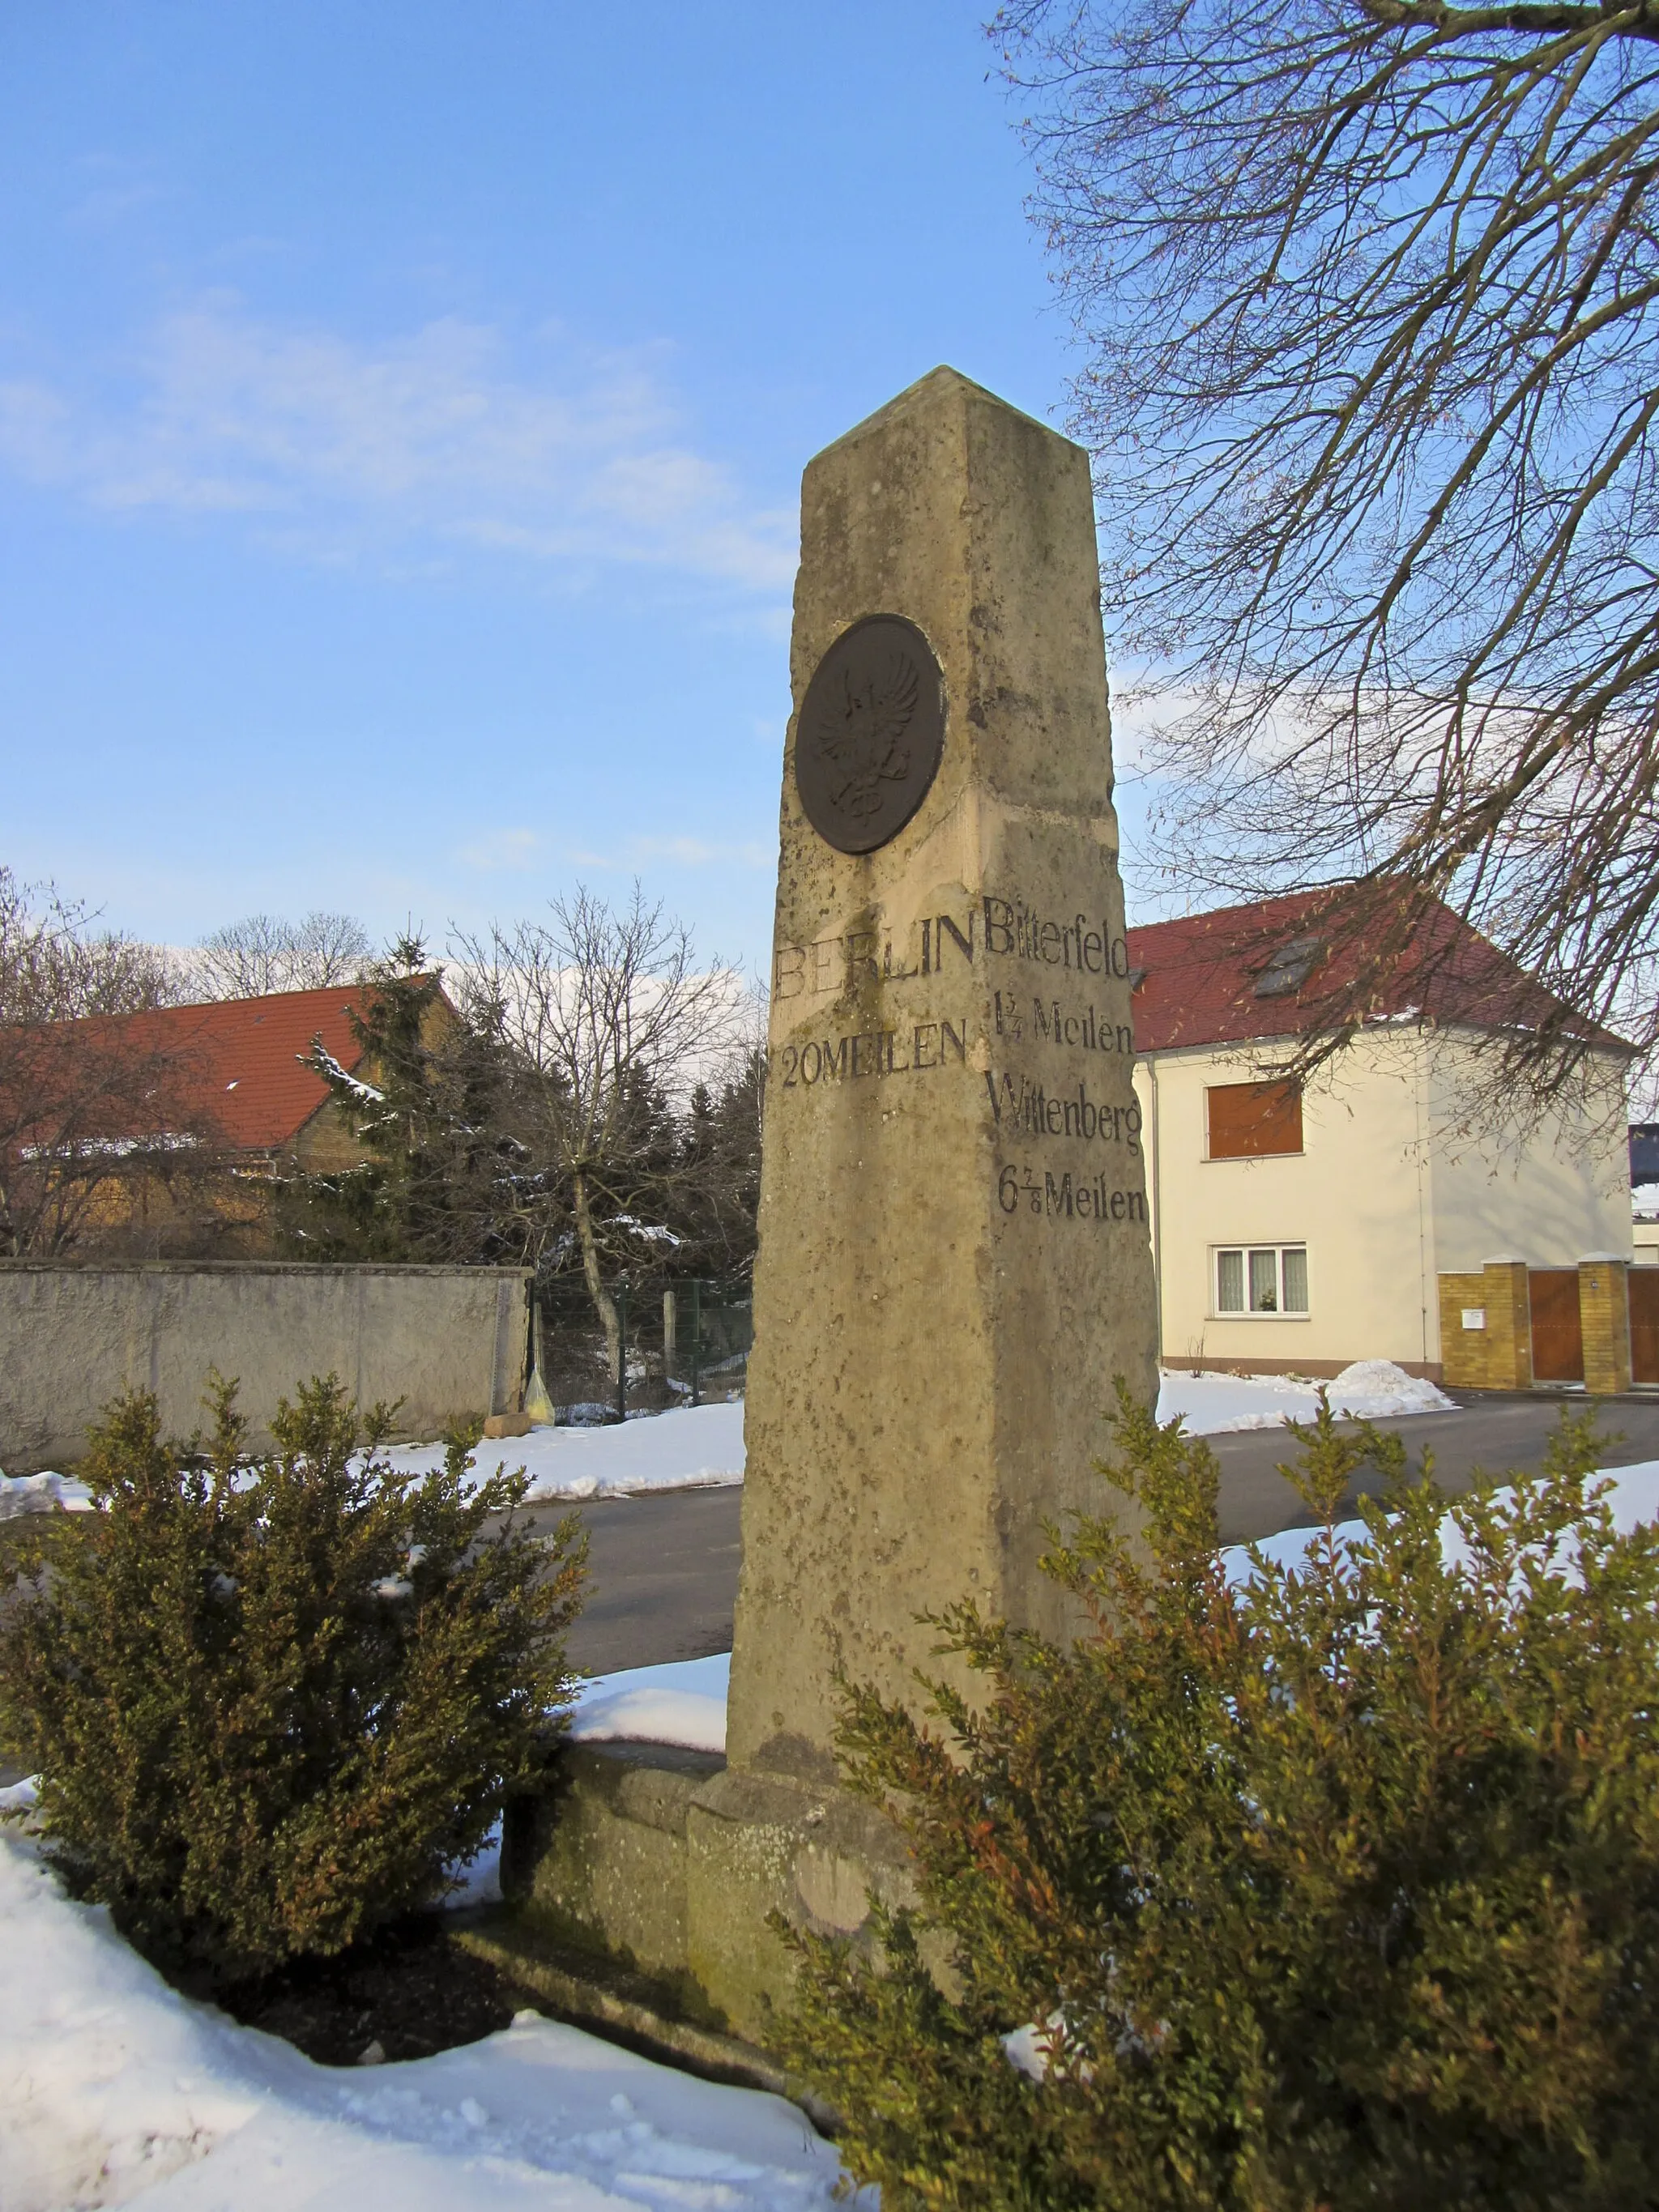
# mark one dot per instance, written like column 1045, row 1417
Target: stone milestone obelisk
column 954, row 1252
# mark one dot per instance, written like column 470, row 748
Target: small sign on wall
column 1474, row 1316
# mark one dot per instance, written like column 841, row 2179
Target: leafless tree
column 263, row 953
column 1369, row 292
column 56, row 964
column 94, row 1093
column 610, row 1020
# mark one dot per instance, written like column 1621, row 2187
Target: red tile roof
column 1203, row 974
column 239, row 1058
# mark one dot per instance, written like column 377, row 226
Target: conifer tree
column 271, row 1697
column 428, row 1109
column 584, row 1103
column 718, row 1192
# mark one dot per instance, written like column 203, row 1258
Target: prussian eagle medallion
column 870, row 731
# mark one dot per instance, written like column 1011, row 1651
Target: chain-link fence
column 684, row 1340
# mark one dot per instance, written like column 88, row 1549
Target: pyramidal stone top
column 926, row 392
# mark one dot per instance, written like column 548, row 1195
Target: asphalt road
column 662, row 1577
column 664, row 1567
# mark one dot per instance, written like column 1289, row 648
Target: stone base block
column 597, row 1993
column 506, row 1425
column 656, row 1868
column 759, row 1844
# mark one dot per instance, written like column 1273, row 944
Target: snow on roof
column 1274, row 968
column 240, row 1058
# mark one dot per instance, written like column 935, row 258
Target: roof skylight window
column 1289, row 968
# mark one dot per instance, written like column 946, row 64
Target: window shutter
column 1252, row 1120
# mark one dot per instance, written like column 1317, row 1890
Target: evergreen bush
column 270, row 1700
column 1327, row 1885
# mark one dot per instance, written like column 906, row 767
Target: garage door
column 1557, row 1338
column 1645, row 1324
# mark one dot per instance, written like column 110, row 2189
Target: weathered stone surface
column 651, row 1871
column 603, row 1864
column 758, row 1844
column 598, row 1992
column 954, row 1257
column 506, row 1425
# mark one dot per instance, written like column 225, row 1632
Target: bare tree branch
column 263, row 953
column 609, row 1017
column 95, row 1103
column 1371, row 296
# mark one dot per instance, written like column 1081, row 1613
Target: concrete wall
column 449, row 1341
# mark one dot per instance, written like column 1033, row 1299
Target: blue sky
column 402, row 412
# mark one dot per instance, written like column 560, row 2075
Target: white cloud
column 113, row 189
column 337, row 446
column 696, row 853
column 502, row 848
column 680, row 852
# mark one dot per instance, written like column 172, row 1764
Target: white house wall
column 1355, row 1196
column 1549, row 1198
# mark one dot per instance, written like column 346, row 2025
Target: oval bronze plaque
column 871, row 733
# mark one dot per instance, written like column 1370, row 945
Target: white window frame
column 1245, row 1248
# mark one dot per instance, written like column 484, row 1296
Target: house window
column 1252, row 1121
column 1262, row 1278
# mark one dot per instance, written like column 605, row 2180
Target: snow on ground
column 695, row 1445
column 479, row 1882
column 1634, row 1498
column 688, row 1448
column 1371, row 1390
column 41, row 1493
column 682, row 1703
column 1634, row 1494
column 113, row 2085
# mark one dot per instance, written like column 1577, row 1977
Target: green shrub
column 269, row 1700
column 1339, row 1888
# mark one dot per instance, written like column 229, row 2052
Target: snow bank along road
column 702, row 1447
column 660, row 1496
column 699, row 1447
